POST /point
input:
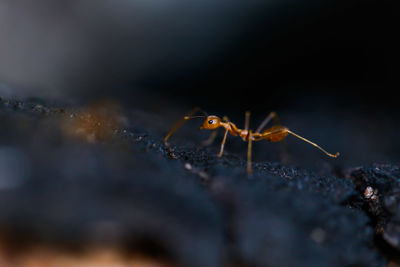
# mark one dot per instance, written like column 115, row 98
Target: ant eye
column 210, row 122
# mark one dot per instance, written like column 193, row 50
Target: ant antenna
column 179, row 123
column 314, row 144
column 192, row 117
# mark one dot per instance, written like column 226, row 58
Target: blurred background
column 327, row 67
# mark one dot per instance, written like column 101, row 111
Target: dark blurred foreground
column 96, row 185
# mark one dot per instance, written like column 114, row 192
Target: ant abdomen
column 275, row 133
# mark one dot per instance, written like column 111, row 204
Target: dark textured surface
column 113, row 181
column 384, row 205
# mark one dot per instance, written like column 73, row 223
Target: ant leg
column 249, row 169
column 314, row 144
column 223, row 144
column 210, row 139
column 179, row 123
column 246, row 127
column 271, row 116
column 247, row 120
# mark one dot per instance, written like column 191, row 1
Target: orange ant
column 273, row 134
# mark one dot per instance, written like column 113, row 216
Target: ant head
column 211, row 122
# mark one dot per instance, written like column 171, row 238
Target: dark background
column 327, row 67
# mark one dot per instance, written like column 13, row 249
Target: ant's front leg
column 221, row 151
column 214, row 134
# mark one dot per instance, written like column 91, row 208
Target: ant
column 275, row 133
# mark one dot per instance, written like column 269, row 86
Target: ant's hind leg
column 314, row 144
column 271, row 116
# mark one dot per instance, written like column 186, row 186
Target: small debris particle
column 203, row 175
column 188, row 166
column 318, row 235
column 370, row 193
column 171, row 154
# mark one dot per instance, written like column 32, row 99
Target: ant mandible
column 275, row 133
